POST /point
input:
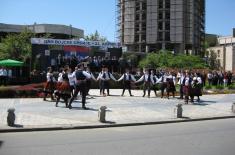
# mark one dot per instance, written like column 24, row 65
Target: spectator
column 230, row 76
column 225, row 79
column 209, row 78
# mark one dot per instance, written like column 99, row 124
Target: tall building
column 151, row 25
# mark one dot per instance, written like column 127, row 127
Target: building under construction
column 152, row 25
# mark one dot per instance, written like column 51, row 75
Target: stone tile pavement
column 36, row 113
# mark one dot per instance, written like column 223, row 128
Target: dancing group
column 69, row 84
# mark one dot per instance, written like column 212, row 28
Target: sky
column 92, row 15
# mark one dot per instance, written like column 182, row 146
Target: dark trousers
column 126, row 85
column 3, row 80
column 49, row 89
column 154, row 88
column 105, row 85
column 163, row 87
column 88, row 86
column 147, row 86
column 181, row 92
column 209, row 81
column 65, row 97
column 80, row 87
column 101, row 87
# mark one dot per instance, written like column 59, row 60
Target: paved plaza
column 36, row 113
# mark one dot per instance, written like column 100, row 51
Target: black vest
column 80, row 75
column 124, row 79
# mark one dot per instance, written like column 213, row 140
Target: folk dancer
column 187, row 88
column 72, row 80
column 126, row 79
column 88, row 82
column 170, row 85
column 81, row 77
column 63, row 91
column 181, row 83
column 147, row 78
column 50, row 84
column 155, row 79
column 105, row 78
column 100, row 80
column 196, row 88
column 163, row 83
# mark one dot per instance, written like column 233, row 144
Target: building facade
column 152, row 25
column 225, row 52
column 55, row 30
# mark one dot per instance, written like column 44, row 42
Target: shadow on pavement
column 109, row 122
column 200, row 104
column 18, row 126
column 80, row 108
column 1, row 142
column 184, row 117
column 202, row 101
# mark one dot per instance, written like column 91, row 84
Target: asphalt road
column 215, row 137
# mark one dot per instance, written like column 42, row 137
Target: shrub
column 232, row 86
column 219, row 87
column 208, row 87
column 6, row 92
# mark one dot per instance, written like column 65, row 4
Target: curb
column 111, row 125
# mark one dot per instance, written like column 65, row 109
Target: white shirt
column 199, row 80
column 92, row 76
column 180, row 82
column 49, row 76
column 1, row 72
column 145, row 78
column 9, row 73
column 108, row 76
column 100, row 76
column 127, row 77
column 187, row 81
column 209, row 76
column 60, row 77
column 171, row 77
column 72, row 79
column 179, row 75
column 88, row 76
column 162, row 79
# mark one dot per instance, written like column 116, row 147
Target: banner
column 42, row 41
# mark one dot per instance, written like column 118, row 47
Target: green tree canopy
column 16, row 46
column 95, row 37
column 165, row 59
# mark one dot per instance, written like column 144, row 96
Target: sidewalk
column 36, row 113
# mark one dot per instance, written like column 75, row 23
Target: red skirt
column 49, row 87
column 187, row 90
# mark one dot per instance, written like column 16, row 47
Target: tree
column 131, row 58
column 212, row 60
column 95, row 37
column 165, row 59
column 17, row 46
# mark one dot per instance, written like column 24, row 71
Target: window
column 167, row 36
column 218, row 53
column 159, row 35
column 168, row 15
column 167, row 25
column 168, row 4
column 160, row 4
column 160, row 26
column 160, row 15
